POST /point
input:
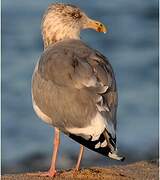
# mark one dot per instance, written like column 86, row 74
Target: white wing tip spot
column 94, row 138
column 115, row 156
column 97, row 145
column 104, row 144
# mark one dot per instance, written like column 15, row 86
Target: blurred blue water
column 132, row 47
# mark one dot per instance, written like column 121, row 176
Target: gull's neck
column 53, row 33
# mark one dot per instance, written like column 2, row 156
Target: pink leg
column 52, row 170
column 79, row 157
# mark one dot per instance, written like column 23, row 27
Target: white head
column 65, row 21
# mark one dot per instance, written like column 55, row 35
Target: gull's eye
column 76, row 15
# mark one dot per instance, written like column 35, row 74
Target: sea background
column 132, row 48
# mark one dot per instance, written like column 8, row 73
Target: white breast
column 38, row 111
column 40, row 114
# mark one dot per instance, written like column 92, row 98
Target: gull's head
column 65, row 21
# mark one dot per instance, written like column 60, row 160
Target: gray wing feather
column 105, row 75
column 70, row 79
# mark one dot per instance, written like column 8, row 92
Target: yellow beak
column 98, row 26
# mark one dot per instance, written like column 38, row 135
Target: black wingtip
column 102, row 150
column 123, row 158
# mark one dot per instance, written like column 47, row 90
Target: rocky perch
column 144, row 170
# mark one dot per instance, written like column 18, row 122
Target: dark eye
column 100, row 25
column 76, row 15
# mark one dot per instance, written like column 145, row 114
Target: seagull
column 73, row 85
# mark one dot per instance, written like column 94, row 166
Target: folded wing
column 75, row 87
